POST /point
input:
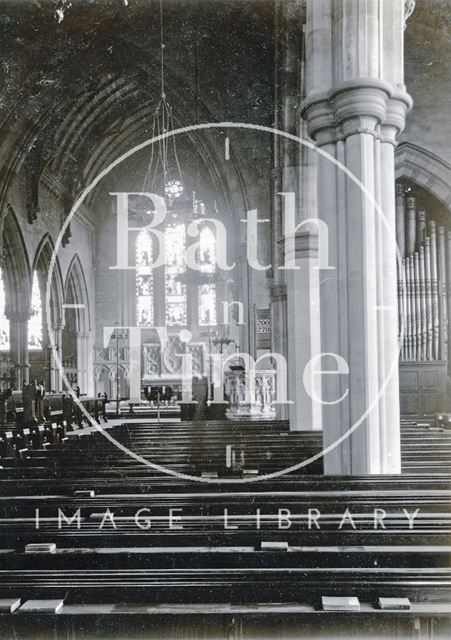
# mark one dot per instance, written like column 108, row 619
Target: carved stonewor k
column 172, row 361
column 152, row 359
column 250, row 393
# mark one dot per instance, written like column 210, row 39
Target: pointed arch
column 426, row 169
column 16, row 267
column 101, row 371
column 76, row 293
column 41, row 265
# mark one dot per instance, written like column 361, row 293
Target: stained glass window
column 175, row 289
column 175, row 247
column 207, row 292
column 4, row 322
column 35, row 321
column 144, row 280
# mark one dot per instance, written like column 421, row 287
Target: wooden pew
column 204, row 564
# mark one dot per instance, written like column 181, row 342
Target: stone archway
column 42, row 363
column 426, row 169
column 17, row 283
column 76, row 336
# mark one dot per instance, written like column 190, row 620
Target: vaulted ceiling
column 78, row 93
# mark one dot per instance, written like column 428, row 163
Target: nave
column 123, row 546
column 253, row 309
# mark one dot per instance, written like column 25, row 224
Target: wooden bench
column 104, row 571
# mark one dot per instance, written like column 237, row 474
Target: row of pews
column 98, row 544
column 62, row 414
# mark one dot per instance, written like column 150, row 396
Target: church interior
column 225, row 316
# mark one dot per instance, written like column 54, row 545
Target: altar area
column 246, row 393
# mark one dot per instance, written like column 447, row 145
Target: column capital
column 357, row 106
column 304, row 244
column 398, row 106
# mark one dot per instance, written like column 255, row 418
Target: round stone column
column 18, row 330
column 354, row 108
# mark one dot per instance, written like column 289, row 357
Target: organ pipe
column 400, row 221
column 409, row 345
column 428, row 294
column 417, row 316
column 420, row 276
column 410, row 226
column 421, row 227
column 408, row 316
column 442, row 295
column 401, row 305
column 448, row 274
column 434, row 293
column 424, row 283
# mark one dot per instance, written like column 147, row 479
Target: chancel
column 225, row 303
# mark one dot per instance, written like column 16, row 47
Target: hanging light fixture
column 173, row 188
column 164, row 158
